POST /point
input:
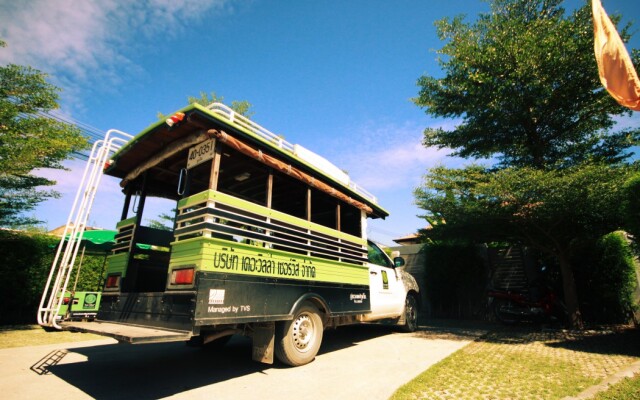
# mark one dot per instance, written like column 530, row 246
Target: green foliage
column 631, row 206
column 25, row 261
column 24, row 267
column 242, row 107
column 163, row 222
column 546, row 209
column 605, row 277
column 29, row 140
column 455, row 278
column 524, row 81
column 91, row 272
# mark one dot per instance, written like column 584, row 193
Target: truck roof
column 218, row 116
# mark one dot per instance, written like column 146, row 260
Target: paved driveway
column 359, row 362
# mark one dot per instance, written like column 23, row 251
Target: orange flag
column 616, row 70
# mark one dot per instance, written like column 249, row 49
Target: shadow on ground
column 618, row 340
column 154, row 371
column 458, row 330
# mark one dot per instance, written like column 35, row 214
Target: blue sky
column 333, row 76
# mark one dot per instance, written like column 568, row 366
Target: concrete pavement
column 359, row 362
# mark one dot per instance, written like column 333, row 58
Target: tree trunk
column 570, row 293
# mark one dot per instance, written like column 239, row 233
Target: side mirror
column 398, row 261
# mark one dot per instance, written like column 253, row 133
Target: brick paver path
column 534, row 364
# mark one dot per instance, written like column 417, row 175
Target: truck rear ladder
column 63, row 263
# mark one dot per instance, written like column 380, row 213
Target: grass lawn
column 627, row 389
column 526, row 364
column 34, row 335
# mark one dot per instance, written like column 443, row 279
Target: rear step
column 127, row 333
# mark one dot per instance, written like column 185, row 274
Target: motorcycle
column 511, row 307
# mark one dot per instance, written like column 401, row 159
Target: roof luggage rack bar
column 241, row 120
column 62, row 266
column 232, row 116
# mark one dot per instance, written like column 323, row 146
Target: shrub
column 606, row 278
column 24, row 265
column 631, row 206
column 25, row 261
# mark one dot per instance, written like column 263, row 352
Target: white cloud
column 67, row 181
column 106, row 207
column 89, row 41
column 386, row 156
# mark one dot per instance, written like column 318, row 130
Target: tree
column 29, row 140
column 525, row 83
column 163, row 221
column 545, row 209
column 242, row 107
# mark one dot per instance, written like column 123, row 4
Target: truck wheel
column 298, row 340
column 410, row 314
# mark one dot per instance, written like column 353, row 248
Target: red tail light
column 113, row 281
column 182, row 276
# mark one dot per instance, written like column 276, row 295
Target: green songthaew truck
column 269, row 241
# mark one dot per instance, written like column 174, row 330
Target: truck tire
column 410, row 314
column 298, row 340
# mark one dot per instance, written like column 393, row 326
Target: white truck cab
column 393, row 291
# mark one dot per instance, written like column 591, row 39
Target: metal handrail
column 241, row 120
column 234, row 117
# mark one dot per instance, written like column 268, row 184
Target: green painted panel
column 125, row 222
column 187, row 252
column 195, row 199
column 265, row 212
column 118, row 263
column 211, row 254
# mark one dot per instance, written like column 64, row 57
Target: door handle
column 373, row 273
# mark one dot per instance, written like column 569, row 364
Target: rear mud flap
column 263, row 342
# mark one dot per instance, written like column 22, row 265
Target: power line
column 92, row 133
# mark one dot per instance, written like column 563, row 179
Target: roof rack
column 260, row 131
